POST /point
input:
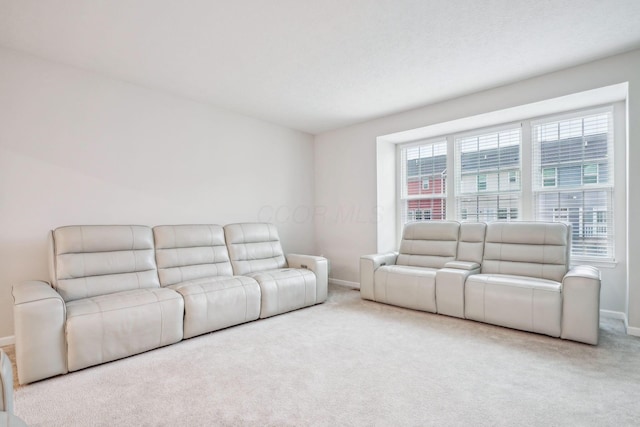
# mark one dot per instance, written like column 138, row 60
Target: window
column 590, row 174
column 574, row 157
column 568, row 177
column 507, row 213
column 423, row 181
column 487, row 170
column 561, row 214
column 422, row 214
column 481, row 182
column 549, row 177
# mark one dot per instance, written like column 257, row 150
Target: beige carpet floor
column 352, row 362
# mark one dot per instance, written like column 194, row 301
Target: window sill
column 594, row 263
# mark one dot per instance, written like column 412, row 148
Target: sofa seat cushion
column 218, row 302
column 406, row 286
column 285, row 289
column 108, row 327
column 518, row 302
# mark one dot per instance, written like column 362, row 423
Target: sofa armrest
column 462, row 265
column 320, row 267
column 581, row 304
column 39, row 314
column 368, row 265
column 450, row 289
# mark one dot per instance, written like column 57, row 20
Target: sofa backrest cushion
column 534, row 249
column 429, row 244
column 471, row 242
column 254, row 247
column 92, row 260
column 187, row 252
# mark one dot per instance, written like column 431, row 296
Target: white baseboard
column 613, row 315
column 10, row 340
column 633, row 331
column 345, row 283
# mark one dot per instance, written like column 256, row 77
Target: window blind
column 488, row 168
column 423, row 170
column 572, row 179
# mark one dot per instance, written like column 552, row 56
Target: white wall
column 79, row 148
column 346, row 171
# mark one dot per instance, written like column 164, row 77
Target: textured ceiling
column 316, row 65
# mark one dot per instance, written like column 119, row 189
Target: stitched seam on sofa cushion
column 161, row 318
column 484, row 299
column 211, row 291
column 373, row 277
column 121, row 308
column 277, row 294
column 246, row 301
column 386, row 279
column 533, row 324
column 206, row 305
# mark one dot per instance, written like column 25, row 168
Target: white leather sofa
column 512, row 274
column 120, row 290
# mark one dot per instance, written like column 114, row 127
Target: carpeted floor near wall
column 350, row 362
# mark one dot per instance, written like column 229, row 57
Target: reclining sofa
column 120, row 290
column 512, row 274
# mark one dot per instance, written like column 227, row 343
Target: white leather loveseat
column 120, row 290
column 513, row 274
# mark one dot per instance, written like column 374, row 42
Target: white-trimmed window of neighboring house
column 481, row 182
column 590, row 173
column 423, row 172
column 487, row 167
column 421, row 214
column 425, row 183
column 579, row 148
column 507, row 213
column 549, row 177
column 561, row 214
